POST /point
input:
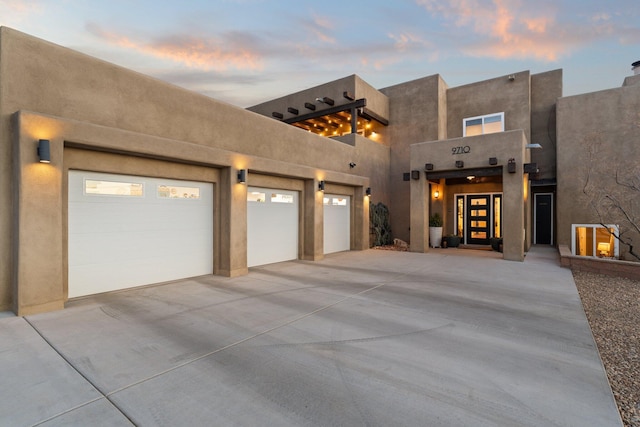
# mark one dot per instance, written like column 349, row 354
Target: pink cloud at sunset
column 231, row 51
column 512, row 28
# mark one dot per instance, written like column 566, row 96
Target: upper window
column 594, row 240
column 491, row 123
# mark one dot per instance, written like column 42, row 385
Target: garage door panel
column 117, row 242
column 337, row 223
column 272, row 226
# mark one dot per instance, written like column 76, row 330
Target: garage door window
column 174, row 192
column 281, row 198
column 113, row 188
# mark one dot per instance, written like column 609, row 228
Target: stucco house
column 111, row 179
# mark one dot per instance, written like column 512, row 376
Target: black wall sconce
column 242, row 176
column 309, row 106
column 415, row 174
column 530, row 168
column 352, row 165
column 493, row 161
column 406, row 176
column 368, row 192
column 44, row 151
column 321, row 186
column 511, row 165
column 428, row 166
column 459, row 164
column 293, row 110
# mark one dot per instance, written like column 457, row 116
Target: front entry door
column 478, row 219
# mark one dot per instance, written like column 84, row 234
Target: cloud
column 515, row 28
column 320, row 27
column 21, row 6
column 231, row 50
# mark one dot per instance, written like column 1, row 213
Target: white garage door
column 127, row 231
column 337, row 220
column 272, row 226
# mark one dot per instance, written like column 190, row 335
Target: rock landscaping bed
column 612, row 305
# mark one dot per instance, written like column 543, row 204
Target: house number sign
column 461, row 150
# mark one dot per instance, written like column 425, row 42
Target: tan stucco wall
column 491, row 96
column 607, row 122
column 417, row 113
column 546, row 88
column 503, row 146
column 354, row 85
column 84, row 103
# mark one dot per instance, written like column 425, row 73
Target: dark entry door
column 478, row 219
column 543, row 219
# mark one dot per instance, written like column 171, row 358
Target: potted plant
column 453, row 241
column 435, row 230
column 496, row 243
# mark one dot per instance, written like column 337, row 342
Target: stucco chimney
column 636, row 68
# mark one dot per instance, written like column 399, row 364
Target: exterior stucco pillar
column 232, row 258
column 419, row 215
column 37, row 273
column 313, row 224
column 513, row 221
column 360, row 233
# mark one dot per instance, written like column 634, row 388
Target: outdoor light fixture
column 406, row 176
column 242, row 176
column 459, row 163
column 415, row 174
column 493, row 161
column 321, row 186
column 511, row 165
column 436, row 194
column 428, row 166
column 352, row 165
column 368, row 191
column 44, row 151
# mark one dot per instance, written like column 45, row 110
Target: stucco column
column 419, row 215
column 232, row 258
column 313, row 223
column 360, row 233
column 513, row 225
column 37, row 274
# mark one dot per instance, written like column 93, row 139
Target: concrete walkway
column 376, row 338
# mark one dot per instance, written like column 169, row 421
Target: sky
column 245, row 52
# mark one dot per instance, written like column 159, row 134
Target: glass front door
column 478, row 217
column 478, row 220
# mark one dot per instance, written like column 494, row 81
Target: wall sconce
column 321, row 186
column 44, row 151
column 428, row 166
column 459, row 164
column 242, row 176
column 406, row 176
column 511, row 165
column 352, row 165
column 436, row 194
column 415, row 174
column 531, row 168
column 493, row 161
column 368, row 192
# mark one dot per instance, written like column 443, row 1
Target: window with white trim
column 594, row 240
column 481, row 125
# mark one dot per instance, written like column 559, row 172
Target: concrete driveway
column 376, row 338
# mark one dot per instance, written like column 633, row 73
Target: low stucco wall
column 608, row 267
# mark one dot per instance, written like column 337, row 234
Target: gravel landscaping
column 612, row 305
